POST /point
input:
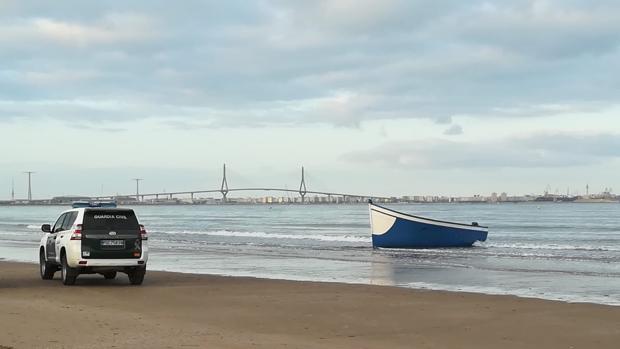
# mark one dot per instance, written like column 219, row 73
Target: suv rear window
column 110, row 220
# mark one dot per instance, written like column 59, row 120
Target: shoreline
column 196, row 310
column 475, row 290
column 426, row 287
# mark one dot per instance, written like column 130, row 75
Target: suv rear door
column 110, row 234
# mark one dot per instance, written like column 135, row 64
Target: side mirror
column 46, row 228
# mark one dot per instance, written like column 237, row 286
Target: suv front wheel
column 68, row 274
column 47, row 269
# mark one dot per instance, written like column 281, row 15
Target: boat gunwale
column 424, row 218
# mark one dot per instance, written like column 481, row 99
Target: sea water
column 567, row 251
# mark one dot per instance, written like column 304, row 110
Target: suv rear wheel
column 136, row 276
column 47, row 269
column 68, row 274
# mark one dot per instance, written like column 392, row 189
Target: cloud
column 454, row 130
column 109, row 29
column 334, row 62
column 113, row 29
column 536, row 151
column 552, row 28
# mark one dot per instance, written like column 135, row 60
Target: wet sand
column 173, row 310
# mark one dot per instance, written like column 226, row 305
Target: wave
column 530, row 246
column 29, row 225
column 263, row 235
column 519, row 292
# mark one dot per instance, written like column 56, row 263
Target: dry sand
column 200, row 311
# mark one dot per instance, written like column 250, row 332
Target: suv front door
column 50, row 245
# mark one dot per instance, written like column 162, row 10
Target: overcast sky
column 381, row 97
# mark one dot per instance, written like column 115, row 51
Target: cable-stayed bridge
column 224, row 190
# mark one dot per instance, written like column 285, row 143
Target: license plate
column 113, row 243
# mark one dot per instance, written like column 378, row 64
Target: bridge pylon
column 224, row 187
column 302, row 185
column 138, row 180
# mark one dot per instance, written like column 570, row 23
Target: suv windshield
column 110, row 220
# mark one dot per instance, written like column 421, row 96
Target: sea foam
column 263, row 235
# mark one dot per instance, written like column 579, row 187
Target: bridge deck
column 193, row 192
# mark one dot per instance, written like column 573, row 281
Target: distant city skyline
column 14, row 192
column 390, row 97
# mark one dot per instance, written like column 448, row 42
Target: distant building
column 67, row 200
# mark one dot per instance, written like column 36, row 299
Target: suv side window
column 68, row 222
column 58, row 224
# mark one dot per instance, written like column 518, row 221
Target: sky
column 377, row 97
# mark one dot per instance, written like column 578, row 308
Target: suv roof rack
column 86, row 204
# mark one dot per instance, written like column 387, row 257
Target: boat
column 393, row 229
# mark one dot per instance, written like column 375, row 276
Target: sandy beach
column 174, row 310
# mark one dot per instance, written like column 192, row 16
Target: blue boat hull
column 392, row 229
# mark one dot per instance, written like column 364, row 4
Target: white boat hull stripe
column 425, row 221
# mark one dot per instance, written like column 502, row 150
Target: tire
column 46, row 269
column 109, row 275
column 136, row 277
column 68, row 274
